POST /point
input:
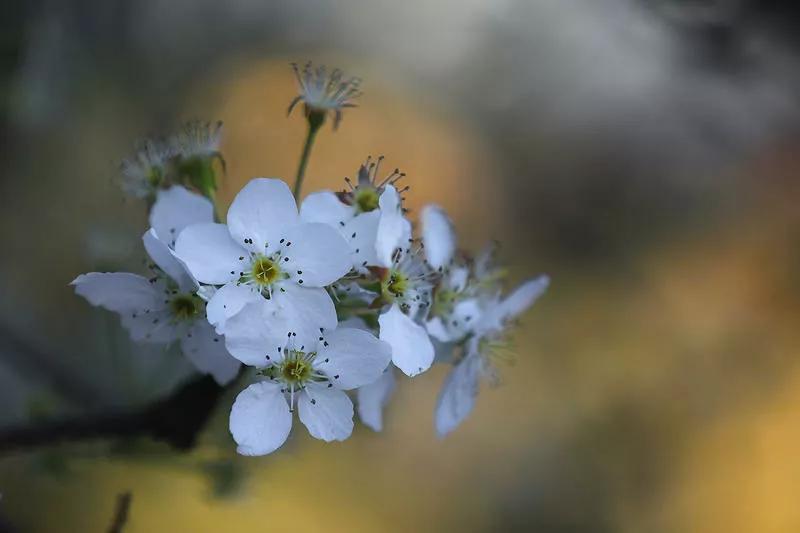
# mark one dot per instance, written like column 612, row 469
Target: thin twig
column 121, row 512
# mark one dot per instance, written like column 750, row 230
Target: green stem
column 314, row 123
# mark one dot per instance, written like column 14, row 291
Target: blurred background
column 644, row 153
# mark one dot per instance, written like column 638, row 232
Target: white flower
column 457, row 397
column 355, row 213
column 311, row 376
column 406, row 287
column 166, row 307
column 323, row 93
column 145, row 172
column 266, row 254
column 456, row 306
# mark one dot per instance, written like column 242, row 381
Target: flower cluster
column 337, row 294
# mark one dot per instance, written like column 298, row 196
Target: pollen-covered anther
column 265, row 271
column 186, row 307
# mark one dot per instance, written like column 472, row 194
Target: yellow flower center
column 296, row 370
column 395, row 285
column 265, row 271
column 366, row 199
column 186, row 307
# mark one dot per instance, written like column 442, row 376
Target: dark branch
column 176, row 420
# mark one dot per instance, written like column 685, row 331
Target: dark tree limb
column 176, row 420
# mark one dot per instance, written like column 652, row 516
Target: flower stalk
column 315, row 121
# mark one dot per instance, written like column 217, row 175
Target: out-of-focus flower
column 457, row 397
column 144, row 173
column 197, row 139
column 455, row 306
column 313, row 377
column 196, row 147
column 267, row 255
column 167, row 306
column 324, row 93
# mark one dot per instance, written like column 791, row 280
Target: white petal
column 139, row 303
column 457, row 278
column 438, row 330
column 394, row 230
column 118, row 291
column 523, row 297
column 325, row 207
column 412, row 351
column 326, row 412
column 438, row 236
column 175, row 209
column 206, row 350
column 466, row 317
column 498, row 312
column 153, row 327
column 457, row 397
column 318, row 252
column 162, row 256
column 228, row 301
column 261, row 211
column 260, row 419
column 353, row 357
column 304, row 311
column 373, row 398
column 361, row 233
column 251, row 336
column 210, row 253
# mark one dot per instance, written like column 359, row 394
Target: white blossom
column 457, row 397
column 267, row 254
column 145, row 172
column 165, row 307
column 355, row 212
column 312, row 377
